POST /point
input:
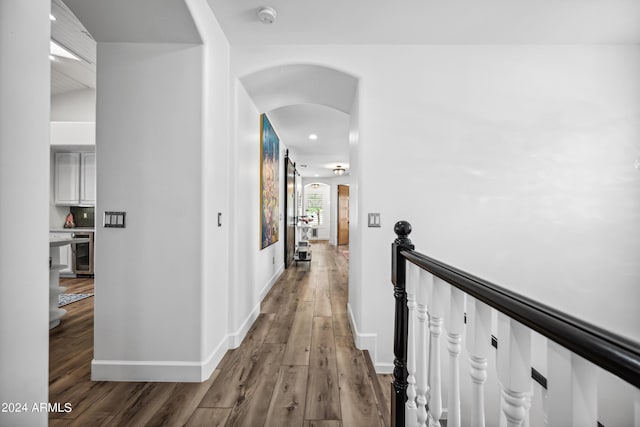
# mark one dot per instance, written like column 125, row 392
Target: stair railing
column 432, row 297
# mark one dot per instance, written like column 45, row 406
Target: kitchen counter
column 72, row 230
column 62, row 241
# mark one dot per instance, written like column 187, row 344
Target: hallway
column 297, row 366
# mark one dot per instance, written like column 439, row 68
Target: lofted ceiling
column 68, row 74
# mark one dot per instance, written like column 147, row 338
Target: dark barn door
column 289, row 211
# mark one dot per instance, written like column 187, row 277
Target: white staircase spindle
column 436, row 314
column 422, row 344
column 454, row 326
column 411, row 410
column 572, row 389
column 514, row 368
column 478, row 342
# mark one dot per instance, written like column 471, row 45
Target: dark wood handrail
column 614, row 353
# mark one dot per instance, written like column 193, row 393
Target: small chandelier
column 339, row 170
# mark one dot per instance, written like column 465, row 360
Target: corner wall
column 214, row 163
column 24, row 179
column 253, row 270
column 148, row 275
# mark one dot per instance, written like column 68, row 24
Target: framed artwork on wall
column 269, row 183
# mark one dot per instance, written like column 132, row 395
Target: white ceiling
column 431, row 21
column 296, row 103
column 295, row 123
column 302, row 99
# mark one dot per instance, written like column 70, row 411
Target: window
column 314, row 207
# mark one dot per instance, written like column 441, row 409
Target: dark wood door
column 343, row 214
column 290, row 212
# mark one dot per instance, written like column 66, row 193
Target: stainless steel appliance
column 83, row 254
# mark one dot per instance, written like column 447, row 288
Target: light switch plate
column 114, row 219
column 374, row 220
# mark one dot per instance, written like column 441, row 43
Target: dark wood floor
column 297, row 366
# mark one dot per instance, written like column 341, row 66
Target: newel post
column 401, row 326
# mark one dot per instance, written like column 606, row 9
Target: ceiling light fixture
column 51, row 17
column 57, row 50
column 267, row 15
column 313, row 136
column 339, row 170
column 315, row 186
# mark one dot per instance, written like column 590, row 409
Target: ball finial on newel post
column 402, row 230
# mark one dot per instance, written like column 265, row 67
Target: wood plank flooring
column 297, row 366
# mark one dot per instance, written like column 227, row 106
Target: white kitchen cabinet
column 88, row 179
column 67, row 178
column 75, row 179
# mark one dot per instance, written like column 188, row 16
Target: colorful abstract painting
column 269, row 183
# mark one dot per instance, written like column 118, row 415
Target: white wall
column 148, row 319
column 216, row 125
column 24, row 178
column 253, row 270
column 75, row 106
column 512, row 162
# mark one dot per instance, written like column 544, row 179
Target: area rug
column 64, row 299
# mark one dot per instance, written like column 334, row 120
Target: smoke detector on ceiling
column 267, row 15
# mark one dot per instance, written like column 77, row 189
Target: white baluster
column 411, row 410
column 454, row 326
column 422, row 357
column 572, row 389
column 478, row 345
column 436, row 313
column 514, row 368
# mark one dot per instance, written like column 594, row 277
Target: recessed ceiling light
column 313, row 136
column 316, row 175
column 51, row 17
column 57, row 50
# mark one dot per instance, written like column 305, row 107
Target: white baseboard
column 178, row 371
column 270, row 283
column 147, row 371
column 362, row 341
column 383, row 368
column 209, row 365
column 234, row 339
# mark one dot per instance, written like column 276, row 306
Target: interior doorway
column 343, row 214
